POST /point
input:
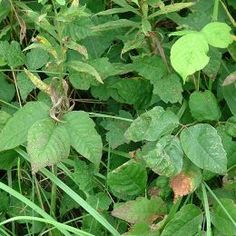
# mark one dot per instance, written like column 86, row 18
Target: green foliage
column 203, row 146
column 188, row 219
column 47, row 144
column 113, row 114
column 152, row 125
column 83, row 136
column 203, row 106
column 128, row 181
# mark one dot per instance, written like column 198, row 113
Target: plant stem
column 215, row 10
column 207, row 211
column 53, row 194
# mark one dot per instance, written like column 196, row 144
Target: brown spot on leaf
column 181, row 185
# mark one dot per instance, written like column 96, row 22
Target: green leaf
column 15, row 131
column 152, row 125
column 214, row 64
column 220, row 218
column 84, row 137
column 100, row 201
column 151, row 68
column 84, row 175
column 128, row 181
column 187, row 220
column 231, row 126
column 116, row 130
column 140, row 210
column 218, row 34
column 7, row 91
column 8, row 160
column 61, row 2
column 48, row 144
column 85, row 68
column 229, row 93
column 204, row 106
column 12, row 53
column 136, row 91
column 4, row 117
column 25, row 85
column 116, row 24
column 189, row 54
column 169, row 88
column 203, row 146
column 36, row 58
column 142, row 229
column 164, row 157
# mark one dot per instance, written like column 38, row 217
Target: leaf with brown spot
column 141, row 210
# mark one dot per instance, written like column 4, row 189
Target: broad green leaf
column 128, row 180
column 189, row 54
column 152, row 125
column 229, row 93
column 151, row 68
column 135, row 91
column 116, row 130
column 204, row 106
column 168, row 88
column 218, row 34
column 12, row 53
column 220, row 218
column 7, row 91
column 25, row 85
column 141, row 210
column 83, row 136
column 85, row 68
column 203, row 146
column 231, row 126
column 187, row 221
column 4, row 117
column 16, row 129
column 47, row 144
column 164, row 157
column 36, row 58
column 84, row 175
column 100, row 201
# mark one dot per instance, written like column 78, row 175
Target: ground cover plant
column 118, row 117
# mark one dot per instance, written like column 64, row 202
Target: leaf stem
column 215, row 10
column 207, row 211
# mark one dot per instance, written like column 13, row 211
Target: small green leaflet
column 152, row 125
column 85, row 68
column 203, row 146
column 48, row 144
